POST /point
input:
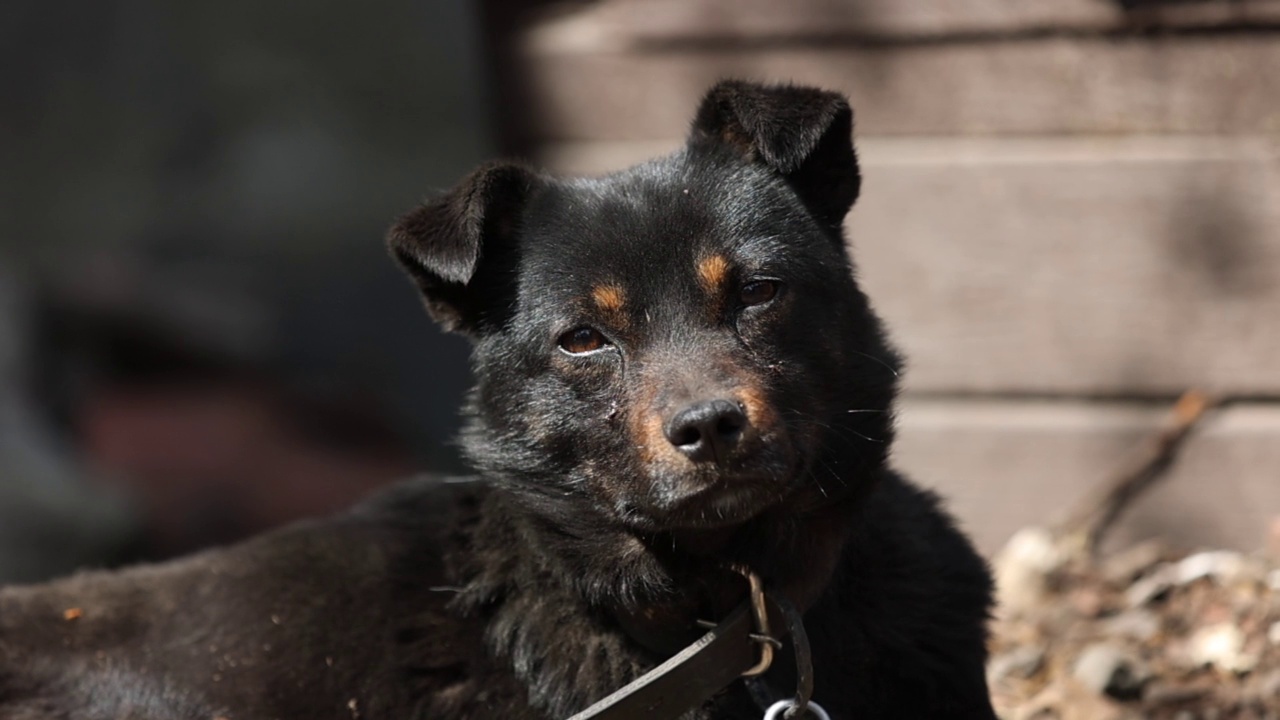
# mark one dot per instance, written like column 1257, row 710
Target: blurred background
column 1071, row 214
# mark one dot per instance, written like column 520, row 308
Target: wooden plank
column 617, row 25
column 621, row 25
column 1185, row 84
column 624, row 24
column 1103, row 266
column 1043, row 267
column 1005, row 465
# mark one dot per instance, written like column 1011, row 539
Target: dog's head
column 680, row 344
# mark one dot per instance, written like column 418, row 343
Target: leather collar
column 740, row 646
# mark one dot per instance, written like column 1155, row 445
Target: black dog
column 677, row 376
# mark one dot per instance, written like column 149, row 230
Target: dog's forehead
column 652, row 227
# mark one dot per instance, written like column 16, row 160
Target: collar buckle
column 760, row 621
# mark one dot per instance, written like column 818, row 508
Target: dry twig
column 1083, row 530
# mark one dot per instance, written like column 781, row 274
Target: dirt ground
column 1143, row 633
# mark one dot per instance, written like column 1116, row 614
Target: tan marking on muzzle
column 651, row 437
column 648, row 432
column 760, row 412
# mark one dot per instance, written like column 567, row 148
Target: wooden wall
column 1070, row 214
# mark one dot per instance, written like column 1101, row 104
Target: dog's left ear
column 802, row 133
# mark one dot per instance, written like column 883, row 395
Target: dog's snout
column 707, row 430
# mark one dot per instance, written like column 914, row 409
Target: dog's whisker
column 818, row 484
column 886, row 365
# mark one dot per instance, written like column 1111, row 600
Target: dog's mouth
column 724, row 501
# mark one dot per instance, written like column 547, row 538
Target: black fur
column 593, row 536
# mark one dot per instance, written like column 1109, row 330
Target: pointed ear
column 801, row 133
column 457, row 246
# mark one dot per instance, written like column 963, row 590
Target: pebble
column 1106, row 669
column 1152, row 587
column 1163, row 693
column 1126, row 565
column 1220, row 565
column 1068, row 700
column 1222, row 646
column 1023, row 566
column 1139, row 624
column 1021, row 662
column 1269, row 687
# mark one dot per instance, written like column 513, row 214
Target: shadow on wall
column 1218, row 243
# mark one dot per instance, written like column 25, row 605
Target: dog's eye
column 758, row 292
column 582, row 340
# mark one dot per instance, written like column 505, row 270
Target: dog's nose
column 707, row 430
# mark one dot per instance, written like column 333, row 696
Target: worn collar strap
column 741, row 645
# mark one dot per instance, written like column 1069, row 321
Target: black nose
column 707, row 430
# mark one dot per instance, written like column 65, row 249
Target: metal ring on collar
column 778, row 710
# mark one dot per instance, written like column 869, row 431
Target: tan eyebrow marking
column 712, row 272
column 609, row 298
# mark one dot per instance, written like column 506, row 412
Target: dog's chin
column 726, row 502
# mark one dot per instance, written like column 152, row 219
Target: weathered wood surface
column 1004, row 465
column 1095, row 266
column 621, row 25
column 1128, row 270
column 1057, row 85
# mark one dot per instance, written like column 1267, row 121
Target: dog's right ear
column 459, row 247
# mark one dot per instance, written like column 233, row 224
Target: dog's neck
column 651, row 579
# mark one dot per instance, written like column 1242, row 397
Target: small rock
column 1104, row 668
column 1270, row 686
column 1139, row 624
column 1126, row 565
column 1022, row 568
column 1068, row 700
column 1087, row 602
column 1021, row 662
column 1273, row 580
column 1165, row 693
column 1220, row 565
column 1273, row 633
column 1262, row 690
column 1222, row 646
column 1151, row 587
